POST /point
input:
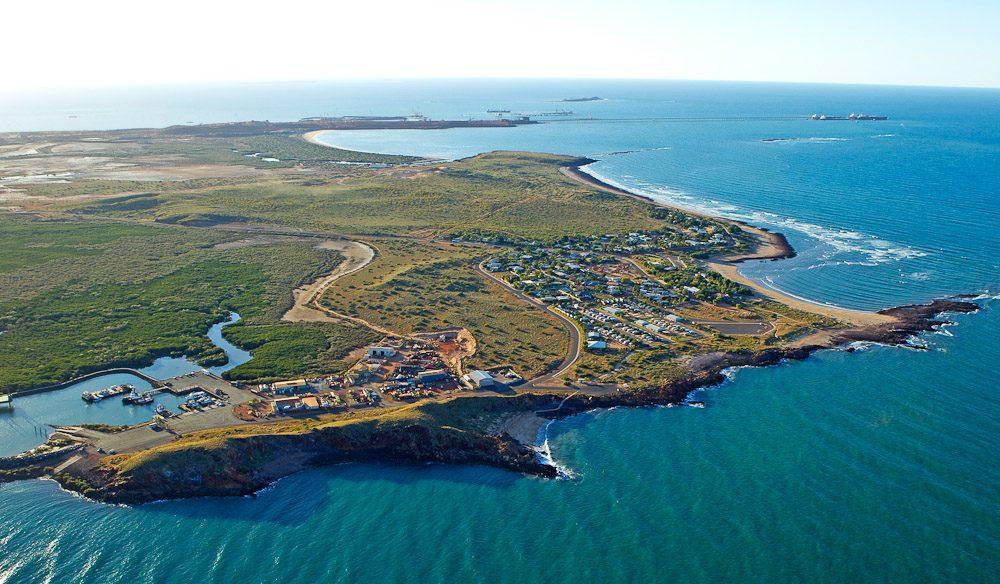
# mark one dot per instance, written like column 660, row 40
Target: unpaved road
column 357, row 255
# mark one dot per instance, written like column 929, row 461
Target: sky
column 59, row 43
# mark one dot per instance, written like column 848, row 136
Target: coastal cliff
column 243, row 465
column 234, row 465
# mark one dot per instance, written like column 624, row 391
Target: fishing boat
column 138, row 399
column 96, row 396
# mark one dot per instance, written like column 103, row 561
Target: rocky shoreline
column 239, row 465
column 245, row 465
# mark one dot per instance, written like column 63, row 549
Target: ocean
column 868, row 466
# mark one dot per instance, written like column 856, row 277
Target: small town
column 398, row 370
column 639, row 290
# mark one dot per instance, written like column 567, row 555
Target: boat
column 138, row 399
column 96, row 396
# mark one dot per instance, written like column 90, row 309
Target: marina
column 107, row 392
column 168, row 383
column 138, row 399
column 827, row 460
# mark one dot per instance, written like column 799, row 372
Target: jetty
column 6, row 403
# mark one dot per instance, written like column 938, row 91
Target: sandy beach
column 771, row 246
column 855, row 317
column 311, row 137
column 524, row 427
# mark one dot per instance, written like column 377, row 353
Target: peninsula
column 397, row 309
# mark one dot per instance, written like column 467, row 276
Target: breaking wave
column 633, row 151
column 873, row 250
column 544, row 452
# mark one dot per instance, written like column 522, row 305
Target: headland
column 461, row 304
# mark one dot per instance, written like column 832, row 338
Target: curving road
column 576, row 345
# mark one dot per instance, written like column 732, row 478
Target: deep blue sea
column 879, row 465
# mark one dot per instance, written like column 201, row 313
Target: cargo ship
column 853, row 117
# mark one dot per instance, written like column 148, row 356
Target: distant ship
column 853, row 117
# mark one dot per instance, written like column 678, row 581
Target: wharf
column 197, row 381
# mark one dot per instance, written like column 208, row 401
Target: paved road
column 575, row 348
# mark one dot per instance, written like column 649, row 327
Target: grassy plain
column 104, row 285
column 415, row 286
column 516, row 194
column 82, row 296
column 70, row 304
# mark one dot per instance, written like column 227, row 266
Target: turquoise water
column 872, row 466
column 30, row 422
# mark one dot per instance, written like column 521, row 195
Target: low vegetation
column 118, row 273
column 77, row 297
column 517, row 194
column 418, row 286
column 281, row 351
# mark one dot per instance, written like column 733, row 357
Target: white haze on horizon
column 65, row 44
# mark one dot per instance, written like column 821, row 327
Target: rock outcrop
column 241, row 465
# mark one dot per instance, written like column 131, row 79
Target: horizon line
column 9, row 91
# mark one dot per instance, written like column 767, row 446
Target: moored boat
column 96, row 396
column 138, row 399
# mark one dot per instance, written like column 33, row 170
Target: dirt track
column 357, row 255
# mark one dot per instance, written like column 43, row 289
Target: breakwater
column 156, row 383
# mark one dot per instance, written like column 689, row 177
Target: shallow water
column 167, row 367
column 29, row 424
column 877, row 465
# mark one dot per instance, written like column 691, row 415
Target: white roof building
column 380, row 352
column 480, row 378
